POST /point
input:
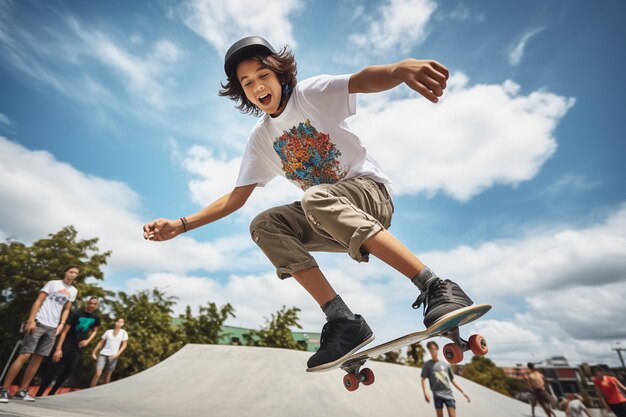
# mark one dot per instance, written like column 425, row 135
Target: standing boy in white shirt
column 45, row 321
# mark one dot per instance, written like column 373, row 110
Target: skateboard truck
column 355, row 375
column 453, row 352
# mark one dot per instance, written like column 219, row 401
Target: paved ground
column 225, row 381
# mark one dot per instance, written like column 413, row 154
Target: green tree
column 277, row 331
column 25, row 269
column 207, row 326
column 152, row 336
column 415, row 355
column 391, row 357
column 484, row 372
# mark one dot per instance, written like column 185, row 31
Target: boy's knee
column 311, row 202
column 312, row 197
column 265, row 223
column 258, row 224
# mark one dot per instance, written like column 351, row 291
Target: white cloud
column 221, row 23
column 145, row 78
column 563, row 259
column 52, row 54
column 4, row 120
column 215, row 176
column 396, row 27
column 461, row 13
column 475, row 137
column 41, row 195
column 516, row 52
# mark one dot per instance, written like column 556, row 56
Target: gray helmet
column 243, row 49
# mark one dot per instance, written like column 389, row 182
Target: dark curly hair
column 282, row 63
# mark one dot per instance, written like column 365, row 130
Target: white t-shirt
column 59, row 293
column 576, row 408
column 112, row 343
column 310, row 142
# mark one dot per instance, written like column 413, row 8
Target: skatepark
column 216, row 380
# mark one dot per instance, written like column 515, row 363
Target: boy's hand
column 93, row 356
column 427, row 77
column 58, row 354
column 162, row 229
column 83, row 343
column 30, row 327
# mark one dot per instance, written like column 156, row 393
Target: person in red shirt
column 609, row 387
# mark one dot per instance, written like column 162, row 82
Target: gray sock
column 337, row 309
column 424, row 279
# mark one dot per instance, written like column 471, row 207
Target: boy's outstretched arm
column 165, row 229
column 427, row 77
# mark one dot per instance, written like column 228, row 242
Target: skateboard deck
column 447, row 326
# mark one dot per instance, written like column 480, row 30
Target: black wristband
column 184, row 221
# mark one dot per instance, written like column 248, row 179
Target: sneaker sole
column 450, row 314
column 332, row 365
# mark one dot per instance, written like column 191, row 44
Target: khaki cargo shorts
column 330, row 218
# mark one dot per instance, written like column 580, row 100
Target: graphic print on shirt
column 442, row 376
column 60, row 297
column 84, row 323
column 309, row 157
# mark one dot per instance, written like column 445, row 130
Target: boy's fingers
column 441, row 69
column 423, row 90
column 433, row 85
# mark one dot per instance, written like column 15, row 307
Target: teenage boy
column 346, row 206
column 47, row 317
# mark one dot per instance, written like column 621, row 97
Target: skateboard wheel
column 351, row 382
column 453, row 353
column 367, row 376
column 478, row 345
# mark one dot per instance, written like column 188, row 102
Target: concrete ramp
column 239, row 381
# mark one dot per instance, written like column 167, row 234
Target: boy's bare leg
column 446, row 296
column 14, row 369
column 107, row 376
column 96, row 377
column 390, row 250
column 316, row 284
column 31, row 370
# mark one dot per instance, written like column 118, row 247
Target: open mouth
column 265, row 100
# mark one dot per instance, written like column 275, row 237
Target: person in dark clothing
column 79, row 331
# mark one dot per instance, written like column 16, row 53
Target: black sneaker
column 441, row 297
column 23, row 395
column 340, row 338
column 4, row 395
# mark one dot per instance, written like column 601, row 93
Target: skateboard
column 447, row 326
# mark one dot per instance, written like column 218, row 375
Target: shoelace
column 328, row 332
column 436, row 291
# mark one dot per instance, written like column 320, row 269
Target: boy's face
column 434, row 352
column 70, row 275
column 92, row 305
column 261, row 86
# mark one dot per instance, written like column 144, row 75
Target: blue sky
column 512, row 185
